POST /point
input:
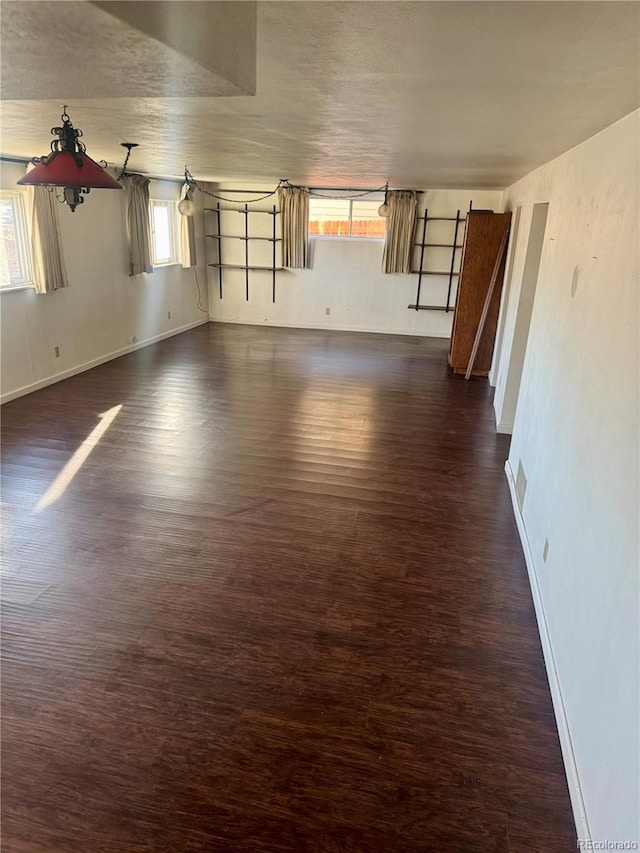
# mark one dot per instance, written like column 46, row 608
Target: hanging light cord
column 123, row 171
column 199, row 304
column 283, row 183
column 191, row 181
column 316, row 194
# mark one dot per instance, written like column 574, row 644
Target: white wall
column 576, row 434
column 506, row 396
column 103, row 309
column 345, row 278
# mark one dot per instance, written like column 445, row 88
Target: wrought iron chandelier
column 69, row 166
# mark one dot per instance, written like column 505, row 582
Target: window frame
column 348, row 236
column 174, row 260
column 23, row 232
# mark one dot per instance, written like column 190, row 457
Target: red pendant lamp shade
column 70, row 169
column 69, row 166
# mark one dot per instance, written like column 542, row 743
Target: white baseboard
column 504, row 427
column 566, row 744
column 66, row 374
column 332, row 328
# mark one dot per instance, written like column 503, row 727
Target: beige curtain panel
column 401, row 222
column 187, row 237
column 138, row 224
column 49, row 270
column 294, row 224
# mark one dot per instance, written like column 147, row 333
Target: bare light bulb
column 384, row 210
column 187, row 206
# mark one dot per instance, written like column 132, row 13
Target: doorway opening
column 513, row 246
column 530, row 272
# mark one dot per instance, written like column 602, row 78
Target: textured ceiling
column 426, row 94
column 74, row 50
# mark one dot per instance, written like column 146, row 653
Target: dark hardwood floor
column 280, row 606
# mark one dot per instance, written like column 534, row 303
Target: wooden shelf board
column 442, row 218
column 243, row 267
column 434, row 272
column 440, row 245
column 238, row 237
column 429, row 307
column 240, row 210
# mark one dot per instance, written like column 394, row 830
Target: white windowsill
column 10, row 288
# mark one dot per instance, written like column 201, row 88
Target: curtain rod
column 8, row 158
column 325, row 189
column 157, row 178
column 362, row 189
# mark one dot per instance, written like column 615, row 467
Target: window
column 164, row 232
column 15, row 249
column 345, row 218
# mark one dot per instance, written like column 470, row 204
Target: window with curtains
column 164, row 232
column 16, row 268
column 346, row 218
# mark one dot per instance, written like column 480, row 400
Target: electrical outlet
column 545, row 550
column 168, row 315
column 327, row 311
column 56, row 352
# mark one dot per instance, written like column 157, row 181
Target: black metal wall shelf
column 238, row 237
column 433, row 272
column 247, row 238
column 428, row 307
column 439, row 245
column 423, row 244
column 243, row 267
column 438, row 218
column 273, row 212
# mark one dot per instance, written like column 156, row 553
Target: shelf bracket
column 421, row 265
column 219, row 249
column 453, row 260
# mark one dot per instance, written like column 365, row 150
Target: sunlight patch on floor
column 61, row 482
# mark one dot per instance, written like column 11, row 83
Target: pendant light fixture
column 68, row 166
column 187, row 207
column 384, row 209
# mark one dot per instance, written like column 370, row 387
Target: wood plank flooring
column 280, row 606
